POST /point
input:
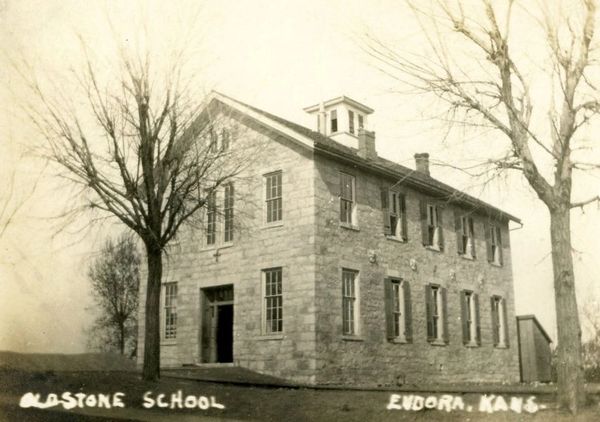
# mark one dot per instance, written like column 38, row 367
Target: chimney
column 322, row 120
column 366, row 144
column 422, row 162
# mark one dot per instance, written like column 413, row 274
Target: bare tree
column 115, row 280
column 143, row 148
column 482, row 70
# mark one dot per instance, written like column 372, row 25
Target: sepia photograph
column 300, row 210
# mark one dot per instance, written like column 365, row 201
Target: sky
column 278, row 56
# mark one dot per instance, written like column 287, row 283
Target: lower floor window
column 170, row 302
column 436, row 309
column 349, row 302
column 273, row 300
column 398, row 310
column 499, row 325
column 470, row 318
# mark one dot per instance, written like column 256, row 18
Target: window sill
column 434, row 249
column 349, row 227
column 348, row 337
column 472, row 345
column 272, row 225
column 215, row 247
column 266, row 337
column 495, row 264
column 438, row 343
column 467, row 257
column 395, row 238
column 501, row 346
column 168, row 343
column 398, row 341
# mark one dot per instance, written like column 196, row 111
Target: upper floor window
column 349, row 302
column 211, row 218
column 228, row 212
column 394, row 214
column 273, row 197
column 465, row 236
column 361, row 121
column 273, row 301
column 170, row 310
column 494, row 244
column 334, row 121
column 212, row 139
column 225, row 139
column 437, row 313
column 469, row 306
column 499, row 321
column 347, row 195
column 351, row 121
column 398, row 310
column 431, row 225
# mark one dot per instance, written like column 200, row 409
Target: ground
column 241, row 401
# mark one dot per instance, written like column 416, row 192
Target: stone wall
column 256, row 246
column 369, row 358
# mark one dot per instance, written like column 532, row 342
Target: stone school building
column 348, row 268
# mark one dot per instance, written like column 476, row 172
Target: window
column 349, row 302
column 436, row 309
column 211, row 218
column 465, row 236
column 351, row 121
column 273, row 301
column 273, row 197
column 494, row 244
column 334, row 121
column 499, row 321
column 347, row 190
column 431, row 226
column 361, row 122
column 228, row 212
column 170, row 310
column 398, row 310
column 394, row 214
column 469, row 304
column 212, row 139
column 225, row 139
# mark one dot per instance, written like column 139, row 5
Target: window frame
column 436, row 303
column 169, row 319
column 273, row 204
column 494, row 244
column 347, row 206
column 470, row 318
column 351, row 127
column 499, row 322
column 432, row 225
column 465, row 235
column 210, row 238
column 398, row 312
column 350, row 303
column 228, row 212
column 225, row 139
column 272, row 301
column 333, row 121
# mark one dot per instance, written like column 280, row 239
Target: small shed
column 535, row 354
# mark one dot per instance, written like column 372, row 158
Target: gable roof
column 327, row 146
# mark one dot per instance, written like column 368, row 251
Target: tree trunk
column 571, row 393
column 151, row 368
column 122, row 337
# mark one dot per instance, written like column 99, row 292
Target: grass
column 241, row 402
